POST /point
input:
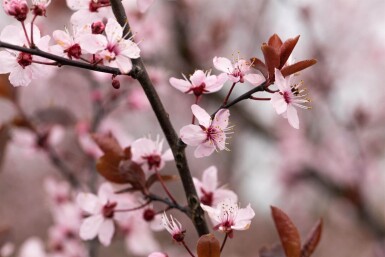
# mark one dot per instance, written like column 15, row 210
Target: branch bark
column 177, row 146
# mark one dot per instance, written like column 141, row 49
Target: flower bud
column 98, row 27
column 16, row 8
column 149, row 214
column 115, row 83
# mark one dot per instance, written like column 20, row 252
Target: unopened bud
column 98, row 27
column 115, row 83
column 16, row 8
column 149, row 215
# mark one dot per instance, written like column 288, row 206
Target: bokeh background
column 332, row 167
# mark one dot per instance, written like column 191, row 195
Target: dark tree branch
column 177, row 147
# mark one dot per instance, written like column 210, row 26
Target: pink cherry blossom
column 200, row 83
column 149, row 154
column 22, row 66
column 238, row 71
column 102, row 213
column 88, row 11
column 40, row 6
column 210, row 134
column 288, row 97
column 32, row 247
column 16, row 8
column 174, row 227
column 208, row 191
column 227, row 216
column 143, row 5
column 73, row 45
column 119, row 51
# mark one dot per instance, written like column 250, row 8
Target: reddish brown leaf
column 208, row 246
column 259, row 65
column 108, row 144
column 296, row 67
column 108, row 167
column 313, row 240
column 133, row 174
column 271, row 59
column 153, row 178
column 286, row 49
column 288, row 233
column 275, row 41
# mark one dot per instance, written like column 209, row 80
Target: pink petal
column 129, row 49
column 168, row 156
column 192, row 135
column 180, row 84
column 204, row 150
column 241, row 225
column 143, row 5
column 255, row 79
column 202, row 116
column 281, row 82
column 279, row 103
column 142, row 147
column 105, row 192
column 89, row 202
column 77, row 4
column 62, row 38
column 292, row 116
column 223, row 64
column 92, row 43
column 243, row 66
column 106, row 231
column 124, row 64
column 8, row 62
column 197, row 78
column 90, row 227
column 221, row 119
column 245, row 213
column 222, row 194
column 214, row 83
column 114, row 31
column 210, row 179
column 20, row 77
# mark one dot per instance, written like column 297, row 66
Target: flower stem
column 224, row 241
column 188, row 249
column 165, row 187
column 33, row 20
column 25, row 33
column 229, row 93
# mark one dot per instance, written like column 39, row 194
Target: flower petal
column 106, row 231
column 90, row 227
column 202, row 116
column 222, row 194
column 281, row 82
column 255, row 79
column 292, row 116
column 114, row 31
column 192, row 135
column 204, row 150
column 180, row 84
column 129, row 49
column 8, row 62
column 223, row 64
column 221, row 119
column 124, row 63
column 89, row 202
column 210, row 179
column 92, row 43
column 279, row 103
column 197, row 78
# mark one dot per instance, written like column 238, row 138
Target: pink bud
column 115, row 83
column 98, row 27
column 16, row 8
